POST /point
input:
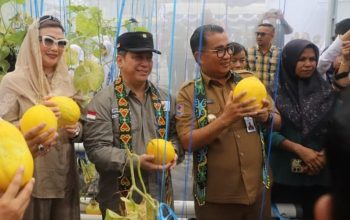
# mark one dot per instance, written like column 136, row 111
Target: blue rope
column 143, row 13
column 269, row 136
column 36, row 8
column 157, row 46
column 170, row 73
column 197, row 72
column 187, row 42
column 112, row 72
column 277, row 212
column 132, row 8
column 41, row 7
column 188, row 161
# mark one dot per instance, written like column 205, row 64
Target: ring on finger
column 41, row 148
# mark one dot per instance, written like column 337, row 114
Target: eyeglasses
column 48, row 18
column 49, row 41
column 221, row 52
column 262, row 34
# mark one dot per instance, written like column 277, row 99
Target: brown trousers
column 53, row 209
column 213, row 211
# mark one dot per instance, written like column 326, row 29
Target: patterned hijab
column 303, row 102
column 28, row 80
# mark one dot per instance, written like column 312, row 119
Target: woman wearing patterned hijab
column 306, row 102
column 40, row 73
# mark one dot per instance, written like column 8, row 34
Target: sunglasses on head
column 49, row 41
column 263, row 34
column 48, row 18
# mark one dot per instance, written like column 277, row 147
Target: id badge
column 249, row 124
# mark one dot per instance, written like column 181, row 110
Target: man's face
column 135, row 67
column 215, row 57
column 264, row 36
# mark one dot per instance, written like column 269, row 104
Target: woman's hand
column 40, row 143
column 73, row 130
column 53, row 106
column 314, row 160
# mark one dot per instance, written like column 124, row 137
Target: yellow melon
column 93, row 208
column 14, row 152
column 70, row 111
column 161, row 148
column 254, row 88
column 36, row 115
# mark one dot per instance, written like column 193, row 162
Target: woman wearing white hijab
column 40, row 73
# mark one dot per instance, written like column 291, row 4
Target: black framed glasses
column 49, row 41
column 48, row 18
column 221, row 52
column 262, row 34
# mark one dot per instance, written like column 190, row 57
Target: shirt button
column 242, row 154
column 238, row 136
column 243, row 172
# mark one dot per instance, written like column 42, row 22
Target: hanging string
column 112, row 72
column 132, row 8
column 150, row 18
column 144, row 14
column 41, row 8
column 36, row 8
column 155, row 4
column 65, row 17
column 197, row 72
column 269, row 133
column 170, row 73
column 31, row 8
column 187, row 42
column 226, row 13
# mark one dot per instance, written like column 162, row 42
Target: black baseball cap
column 136, row 42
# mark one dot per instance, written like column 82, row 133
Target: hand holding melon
column 14, row 152
column 162, row 150
column 37, row 115
column 70, row 111
column 254, row 88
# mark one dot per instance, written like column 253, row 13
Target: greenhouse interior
column 151, row 109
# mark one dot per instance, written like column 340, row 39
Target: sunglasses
column 50, row 41
column 263, row 34
column 48, row 18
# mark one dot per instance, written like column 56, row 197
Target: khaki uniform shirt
column 101, row 139
column 234, row 157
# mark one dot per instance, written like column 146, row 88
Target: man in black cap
column 126, row 115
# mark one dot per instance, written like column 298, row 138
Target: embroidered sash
column 201, row 113
column 125, row 137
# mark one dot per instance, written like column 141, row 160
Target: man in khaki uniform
column 227, row 148
column 127, row 114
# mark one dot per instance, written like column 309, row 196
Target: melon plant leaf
column 88, row 77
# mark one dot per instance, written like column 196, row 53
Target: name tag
column 249, row 124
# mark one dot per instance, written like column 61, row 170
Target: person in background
column 239, row 57
column 276, row 18
column 305, row 102
column 41, row 72
column 263, row 58
column 127, row 115
column 335, row 206
column 228, row 153
column 330, row 59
